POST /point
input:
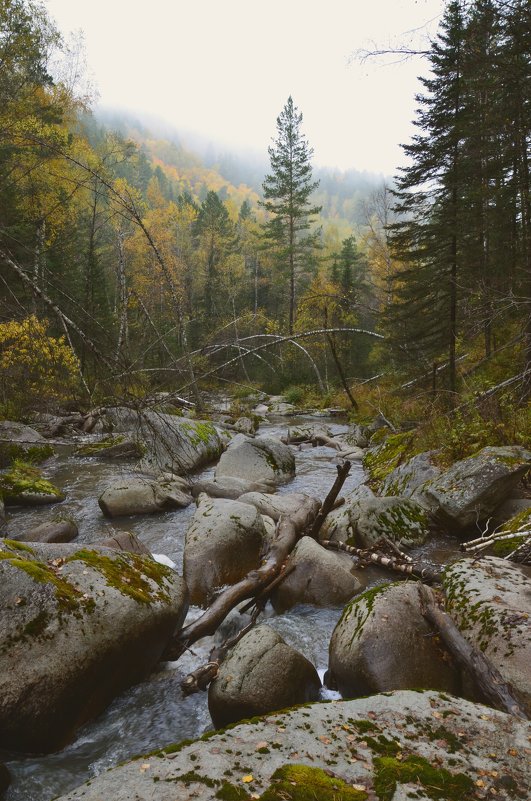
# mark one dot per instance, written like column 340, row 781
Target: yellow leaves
column 247, row 779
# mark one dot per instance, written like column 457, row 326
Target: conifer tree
column 287, row 191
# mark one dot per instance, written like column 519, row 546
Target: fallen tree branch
column 328, row 504
column 490, row 683
column 289, row 530
column 402, row 564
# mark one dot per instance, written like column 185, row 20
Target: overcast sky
column 226, row 67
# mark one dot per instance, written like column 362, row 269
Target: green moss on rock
column 437, row 783
column 382, row 460
column 93, row 448
column 304, row 783
column 361, row 607
column 25, row 479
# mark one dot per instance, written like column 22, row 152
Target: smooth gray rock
column 223, row 543
column 230, row 487
column 382, row 642
column 136, row 496
column 275, row 505
column 471, row 489
column 408, row 477
column 320, row 578
column 258, row 459
column 467, row 743
column 261, row 674
column 490, row 601
column 77, row 626
column 18, row 432
column 357, row 435
column 52, row 531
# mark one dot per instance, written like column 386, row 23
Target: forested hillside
column 163, row 269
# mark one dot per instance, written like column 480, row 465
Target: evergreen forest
column 131, row 266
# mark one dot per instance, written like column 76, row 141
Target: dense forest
column 131, row 265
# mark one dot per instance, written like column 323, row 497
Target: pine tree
column 287, row 191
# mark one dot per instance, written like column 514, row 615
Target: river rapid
column 154, row 713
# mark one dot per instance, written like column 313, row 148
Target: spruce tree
column 287, row 191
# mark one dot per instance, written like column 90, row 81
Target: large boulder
column 382, row 642
column 490, row 601
column 409, row 476
column 230, row 487
column 364, row 521
column 77, row 626
column 471, row 489
column 392, row 747
column 275, row 505
column 173, row 443
column 320, row 578
column 223, row 543
column 144, row 496
column 261, row 674
column 258, row 459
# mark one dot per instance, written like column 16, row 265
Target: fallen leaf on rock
column 247, row 779
column 144, row 767
column 325, row 739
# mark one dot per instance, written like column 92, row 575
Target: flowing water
column 154, row 713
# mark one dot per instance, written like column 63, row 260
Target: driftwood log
column 487, row 679
column 398, row 562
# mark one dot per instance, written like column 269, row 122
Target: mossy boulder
column 319, row 578
column 24, row 485
column 77, row 626
column 365, row 518
column 470, row 490
column 19, row 441
column 173, row 443
column 409, row 476
column 388, row 747
column 258, row 459
column 490, row 601
column 384, row 457
column 261, row 674
column 223, row 543
column 382, row 642
column 137, row 496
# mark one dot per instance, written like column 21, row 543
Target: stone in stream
column 320, row 578
column 470, row 490
column 112, row 448
column 489, row 599
column 136, row 496
column 57, row 530
column 365, row 518
column 389, row 747
column 382, row 642
column 230, row 487
column 173, row 443
column 261, row 674
column 275, row 505
column 223, row 543
column 24, row 485
column 258, row 459
column 77, row 626
column 124, row 541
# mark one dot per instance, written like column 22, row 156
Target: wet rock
column 471, row 489
column 443, row 742
column 382, row 642
column 261, row 674
column 136, row 496
column 59, row 530
column 230, row 487
column 258, row 459
column 490, row 601
column 77, row 626
column 124, row 541
column 320, row 578
column 275, row 505
column 409, row 476
column 223, row 543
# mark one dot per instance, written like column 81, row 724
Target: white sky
column 226, row 67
